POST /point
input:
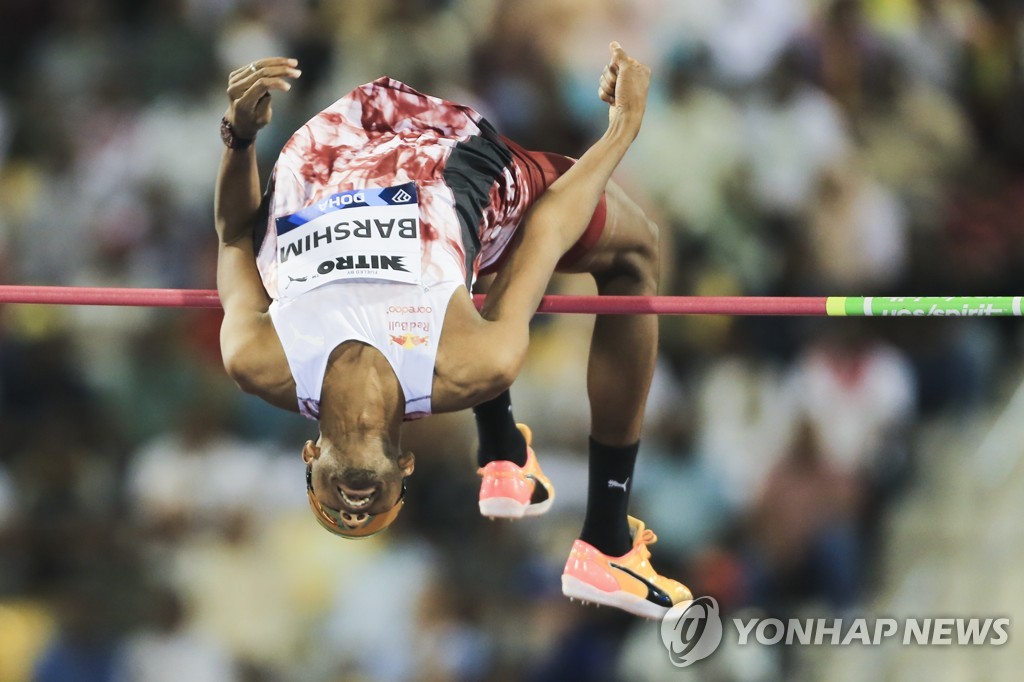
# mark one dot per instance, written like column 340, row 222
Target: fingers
column 242, row 79
column 606, row 89
column 267, row 61
column 621, row 63
column 618, row 54
column 238, row 88
column 259, row 90
column 619, row 60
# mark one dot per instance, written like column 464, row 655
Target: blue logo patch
column 399, row 195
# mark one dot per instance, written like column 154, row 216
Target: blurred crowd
column 152, row 518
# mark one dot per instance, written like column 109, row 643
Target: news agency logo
column 692, row 631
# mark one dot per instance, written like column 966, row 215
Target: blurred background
column 153, row 521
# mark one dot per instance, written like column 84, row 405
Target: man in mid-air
column 346, row 292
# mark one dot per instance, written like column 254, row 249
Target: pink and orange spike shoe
column 510, row 491
column 628, row 582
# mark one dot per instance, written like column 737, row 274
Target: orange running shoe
column 628, row 582
column 510, row 491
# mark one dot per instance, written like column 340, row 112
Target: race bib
column 371, row 233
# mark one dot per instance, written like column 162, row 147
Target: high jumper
column 346, row 290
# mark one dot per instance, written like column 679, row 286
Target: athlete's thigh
column 628, row 235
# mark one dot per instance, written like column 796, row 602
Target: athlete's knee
column 638, row 262
column 648, row 251
column 506, row 365
column 505, row 356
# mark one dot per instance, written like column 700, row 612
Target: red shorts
column 537, row 171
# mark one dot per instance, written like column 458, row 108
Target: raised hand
column 249, row 92
column 624, row 85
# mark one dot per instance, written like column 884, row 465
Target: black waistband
column 472, row 169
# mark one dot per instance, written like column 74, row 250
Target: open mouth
column 356, row 500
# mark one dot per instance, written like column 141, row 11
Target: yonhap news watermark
column 693, row 631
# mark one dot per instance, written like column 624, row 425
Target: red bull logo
column 409, row 340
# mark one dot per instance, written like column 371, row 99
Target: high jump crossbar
column 821, row 306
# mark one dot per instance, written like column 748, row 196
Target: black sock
column 499, row 437
column 609, row 483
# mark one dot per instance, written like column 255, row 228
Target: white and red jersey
column 388, row 199
column 384, row 134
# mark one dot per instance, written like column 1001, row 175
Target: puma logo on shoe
column 616, row 484
column 655, row 594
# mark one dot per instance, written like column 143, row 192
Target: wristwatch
column 230, row 139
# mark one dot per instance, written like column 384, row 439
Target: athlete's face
column 356, row 481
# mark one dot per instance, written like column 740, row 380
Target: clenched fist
column 624, row 85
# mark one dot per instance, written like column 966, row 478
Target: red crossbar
column 606, row 305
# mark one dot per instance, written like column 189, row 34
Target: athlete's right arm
column 250, row 348
column 559, row 217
